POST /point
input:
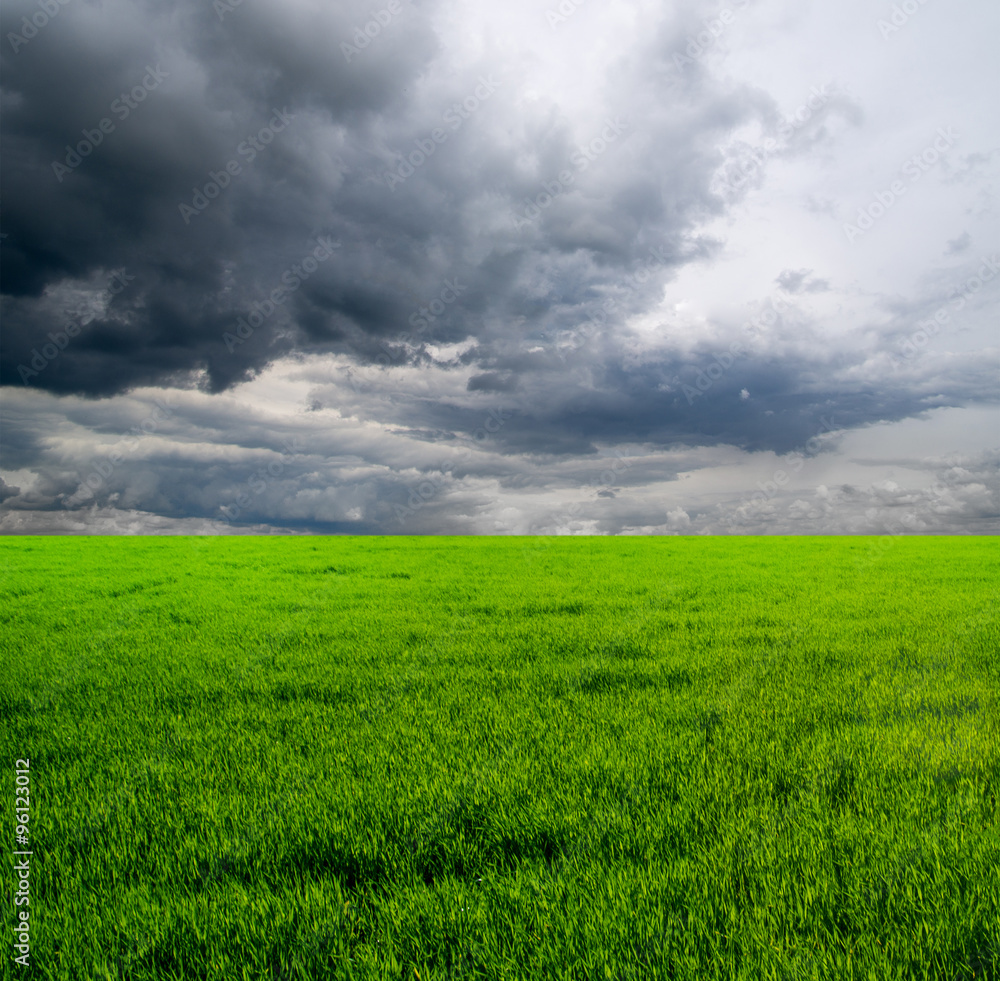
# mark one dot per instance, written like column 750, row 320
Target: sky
column 441, row 267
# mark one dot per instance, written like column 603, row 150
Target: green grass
column 505, row 758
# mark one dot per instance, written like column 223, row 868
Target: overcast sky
column 430, row 266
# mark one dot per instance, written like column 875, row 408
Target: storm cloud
column 431, row 267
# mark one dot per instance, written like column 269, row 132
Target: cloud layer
column 439, row 267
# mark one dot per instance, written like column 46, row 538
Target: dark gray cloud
column 320, row 143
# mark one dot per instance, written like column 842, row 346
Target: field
column 711, row 758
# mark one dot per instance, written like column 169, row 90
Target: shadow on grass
column 604, row 680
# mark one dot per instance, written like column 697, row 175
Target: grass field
column 504, row 758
